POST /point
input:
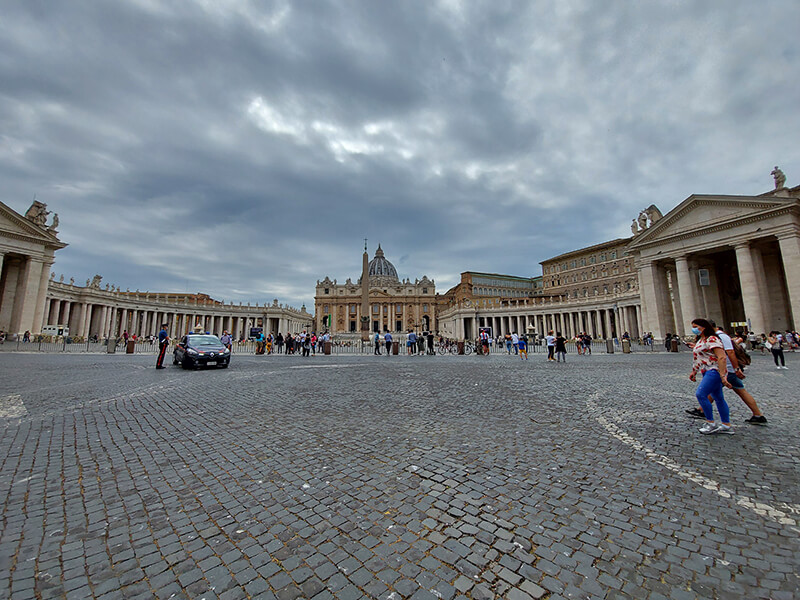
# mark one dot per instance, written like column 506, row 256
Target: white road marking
column 760, row 508
column 12, row 407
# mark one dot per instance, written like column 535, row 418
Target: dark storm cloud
column 461, row 135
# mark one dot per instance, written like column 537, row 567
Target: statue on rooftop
column 37, row 213
column 779, row 177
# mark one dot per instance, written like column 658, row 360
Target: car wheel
column 187, row 363
column 174, row 359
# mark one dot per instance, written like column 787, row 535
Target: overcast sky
column 246, row 149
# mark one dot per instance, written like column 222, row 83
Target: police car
column 198, row 349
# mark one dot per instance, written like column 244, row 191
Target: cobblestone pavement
column 392, row 477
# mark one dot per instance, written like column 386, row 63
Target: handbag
column 768, row 345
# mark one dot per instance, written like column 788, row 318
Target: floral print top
column 703, row 352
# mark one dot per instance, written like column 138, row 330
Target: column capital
column 787, row 235
column 742, row 245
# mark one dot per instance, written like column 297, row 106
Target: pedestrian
column 508, row 344
column 587, row 343
column 485, row 342
column 163, row 342
column 735, row 375
column 421, row 344
column 377, row 340
column 431, row 349
column 561, row 347
column 411, row 342
column 279, row 342
column 522, row 344
column 551, row 345
column 515, row 342
column 775, row 345
column 709, row 360
column 387, row 338
column 226, row 339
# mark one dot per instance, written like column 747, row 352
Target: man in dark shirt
column 163, row 342
column 388, row 339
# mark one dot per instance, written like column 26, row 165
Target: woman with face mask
column 709, row 361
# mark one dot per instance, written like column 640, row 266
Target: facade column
column 47, row 305
column 27, row 297
column 763, row 286
column 67, row 313
column 751, row 298
column 82, row 325
column 102, row 323
column 41, row 298
column 653, row 290
column 13, row 271
column 55, row 315
column 688, row 306
column 790, row 254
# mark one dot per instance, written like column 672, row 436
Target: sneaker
column 784, row 367
column 696, row 413
column 757, row 420
column 708, row 428
column 722, row 428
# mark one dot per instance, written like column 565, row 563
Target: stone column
column 41, row 298
column 763, row 287
column 82, row 326
column 13, row 271
column 27, row 297
column 67, row 313
column 101, row 328
column 688, row 306
column 751, row 297
column 655, row 300
column 790, row 254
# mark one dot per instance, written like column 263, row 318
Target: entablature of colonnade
column 62, row 291
column 702, row 223
column 536, row 306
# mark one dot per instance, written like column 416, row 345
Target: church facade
column 393, row 304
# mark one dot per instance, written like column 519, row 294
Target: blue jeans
column 711, row 384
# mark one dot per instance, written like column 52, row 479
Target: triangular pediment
column 15, row 226
column 698, row 213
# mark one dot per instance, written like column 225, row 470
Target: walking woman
column 775, row 346
column 709, row 361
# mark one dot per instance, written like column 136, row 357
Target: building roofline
column 501, row 275
column 616, row 242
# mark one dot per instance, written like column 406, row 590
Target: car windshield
column 204, row 340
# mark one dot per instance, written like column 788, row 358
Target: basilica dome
column 381, row 271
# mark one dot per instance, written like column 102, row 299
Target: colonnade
column 604, row 322
column 90, row 311
column 87, row 319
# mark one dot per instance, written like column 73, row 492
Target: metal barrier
column 248, row 347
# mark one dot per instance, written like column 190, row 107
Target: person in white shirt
column 515, row 342
column 551, row 345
